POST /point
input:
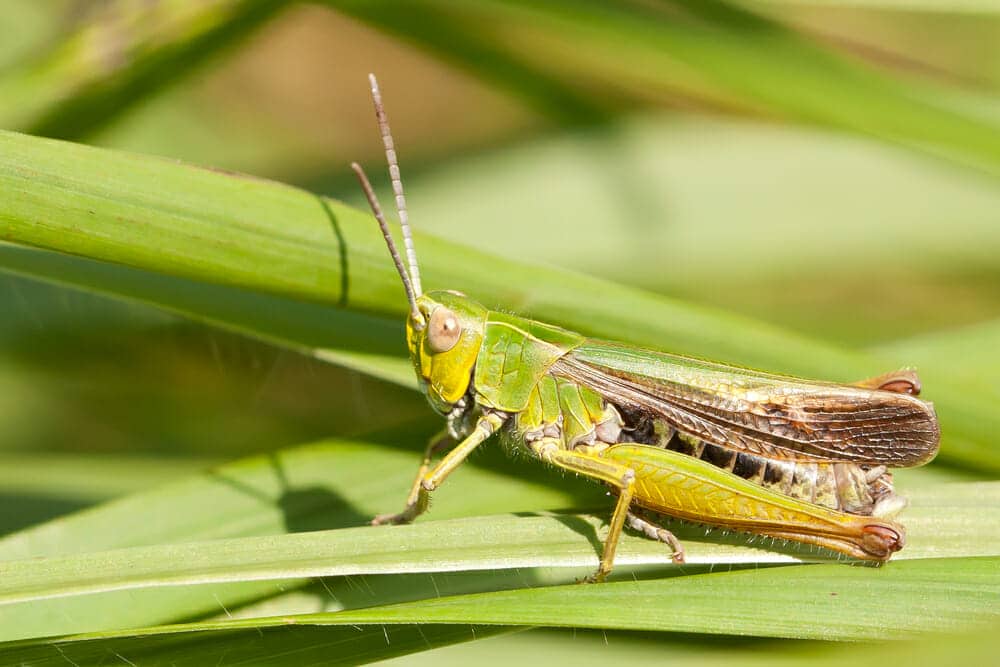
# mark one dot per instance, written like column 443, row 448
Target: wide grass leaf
column 262, row 237
column 479, row 543
column 342, row 484
column 829, row 602
column 295, row 646
column 364, row 342
column 846, row 603
column 335, row 645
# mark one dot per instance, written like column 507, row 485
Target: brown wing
column 770, row 415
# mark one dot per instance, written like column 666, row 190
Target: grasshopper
column 701, row 441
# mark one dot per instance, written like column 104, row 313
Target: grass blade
column 340, row 485
column 842, row 603
column 263, row 237
column 440, row 546
column 367, row 343
column 291, row 646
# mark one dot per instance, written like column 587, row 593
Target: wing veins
column 898, row 435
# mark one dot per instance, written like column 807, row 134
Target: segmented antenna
column 411, row 296
column 397, row 184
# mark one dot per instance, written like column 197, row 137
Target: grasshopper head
column 445, row 329
column 444, row 337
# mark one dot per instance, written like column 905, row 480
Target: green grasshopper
column 706, row 442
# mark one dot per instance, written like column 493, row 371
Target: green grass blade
column 260, row 236
column 291, row 646
column 361, row 341
column 592, row 648
column 297, row 645
column 342, row 485
column 828, row 602
column 118, row 57
column 844, row 602
column 446, row 546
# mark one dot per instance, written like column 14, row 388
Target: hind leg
column 658, row 533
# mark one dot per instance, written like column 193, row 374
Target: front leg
column 621, row 477
column 425, row 482
column 413, row 507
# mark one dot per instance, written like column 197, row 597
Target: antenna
column 397, row 184
column 384, row 226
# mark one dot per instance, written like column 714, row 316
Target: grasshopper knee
column 545, row 448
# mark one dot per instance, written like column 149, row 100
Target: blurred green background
column 830, row 168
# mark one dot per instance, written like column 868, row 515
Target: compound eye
column 443, row 330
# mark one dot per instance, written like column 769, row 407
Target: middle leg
column 621, row 477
